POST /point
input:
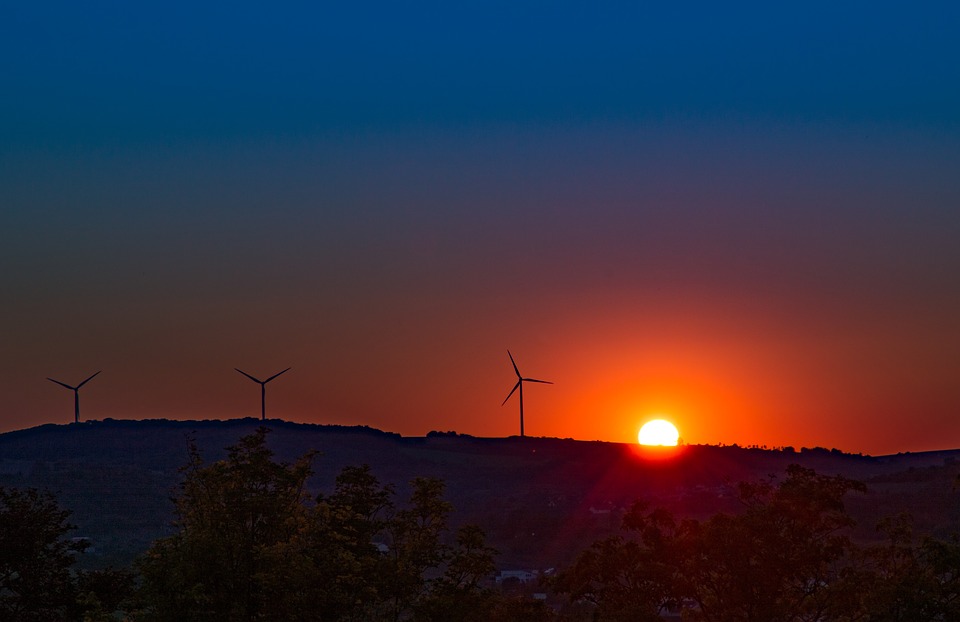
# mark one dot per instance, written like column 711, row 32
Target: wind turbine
column 263, row 390
column 76, row 395
column 519, row 385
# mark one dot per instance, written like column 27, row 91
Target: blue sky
column 114, row 72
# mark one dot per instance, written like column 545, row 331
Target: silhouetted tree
column 105, row 594
column 943, row 558
column 36, row 583
column 903, row 580
column 415, row 546
column 780, row 559
column 330, row 568
column 230, row 516
column 458, row 593
column 785, row 557
column 250, row 546
column 629, row 578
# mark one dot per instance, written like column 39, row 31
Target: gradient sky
column 745, row 219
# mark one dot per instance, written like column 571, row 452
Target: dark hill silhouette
column 540, row 500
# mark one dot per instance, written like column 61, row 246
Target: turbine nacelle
column 76, row 394
column 258, row 381
column 263, row 389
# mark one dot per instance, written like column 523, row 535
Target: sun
column 658, row 432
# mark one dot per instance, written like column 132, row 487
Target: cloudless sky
column 743, row 218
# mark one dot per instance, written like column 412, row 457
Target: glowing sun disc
column 658, row 432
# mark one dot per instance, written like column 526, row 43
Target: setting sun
column 658, row 432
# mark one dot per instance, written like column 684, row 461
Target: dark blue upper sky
column 740, row 210
column 108, row 72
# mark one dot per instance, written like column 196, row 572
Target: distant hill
column 540, row 500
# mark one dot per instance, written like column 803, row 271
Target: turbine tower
column 263, row 390
column 76, row 395
column 519, row 385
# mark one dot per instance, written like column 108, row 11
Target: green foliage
column 780, row 559
column 231, row 516
column 251, row 546
column 457, row 593
column 330, row 569
column 415, row 545
column 105, row 594
column 909, row 581
column 35, row 557
column 629, row 579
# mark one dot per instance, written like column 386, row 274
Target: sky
column 744, row 219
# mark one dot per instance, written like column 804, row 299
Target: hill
column 540, row 500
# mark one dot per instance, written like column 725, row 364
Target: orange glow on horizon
column 656, row 453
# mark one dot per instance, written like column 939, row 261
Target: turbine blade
column 275, row 375
column 257, row 380
column 63, row 384
column 535, row 380
column 515, row 387
column 87, row 380
column 514, row 363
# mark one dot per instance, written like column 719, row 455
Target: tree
column 414, row 540
column 353, row 518
column 943, row 558
column 36, row 583
column 784, row 558
column 458, row 593
column 229, row 515
column 360, row 557
column 101, row 594
column 908, row 581
column 251, row 546
column 330, row 569
column 629, row 578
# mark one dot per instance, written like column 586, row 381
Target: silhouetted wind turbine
column 519, row 385
column 76, row 395
column 263, row 390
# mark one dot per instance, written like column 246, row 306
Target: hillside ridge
column 539, row 499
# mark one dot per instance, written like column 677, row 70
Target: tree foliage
column 629, row 578
column 230, row 516
column 909, row 578
column 778, row 560
column 36, row 582
column 251, row 545
column 781, row 558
